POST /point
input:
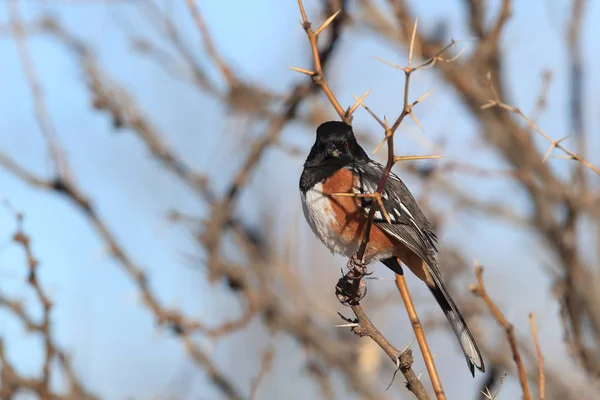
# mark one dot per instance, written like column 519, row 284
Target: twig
column 41, row 113
column 577, row 95
column 52, row 352
column 479, row 290
column 63, row 184
column 210, row 47
column 223, row 210
column 392, row 159
column 318, row 78
column 390, row 131
column 45, row 328
column 540, row 357
column 553, row 143
column 321, row 375
column 317, row 75
column 420, row 334
column 403, row 359
column 265, row 367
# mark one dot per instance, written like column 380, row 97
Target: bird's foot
column 350, row 290
column 357, row 268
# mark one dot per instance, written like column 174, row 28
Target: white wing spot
column 406, row 211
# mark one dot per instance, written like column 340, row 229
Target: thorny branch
column 554, row 144
column 364, row 327
column 574, row 287
column 479, row 79
column 109, row 97
column 392, row 159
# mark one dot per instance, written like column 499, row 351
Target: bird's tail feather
column 465, row 338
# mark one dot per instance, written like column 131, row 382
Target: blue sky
column 115, row 344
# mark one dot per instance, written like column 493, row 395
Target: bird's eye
column 346, row 145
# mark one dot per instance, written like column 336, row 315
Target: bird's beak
column 332, row 150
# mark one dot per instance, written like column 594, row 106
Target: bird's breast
column 323, row 220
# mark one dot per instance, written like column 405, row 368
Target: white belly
column 321, row 218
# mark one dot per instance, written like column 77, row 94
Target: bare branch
column 479, row 290
column 540, row 357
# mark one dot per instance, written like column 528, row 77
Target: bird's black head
column 335, row 144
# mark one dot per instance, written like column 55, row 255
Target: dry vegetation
column 265, row 273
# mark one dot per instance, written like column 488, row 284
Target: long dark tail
column 465, row 338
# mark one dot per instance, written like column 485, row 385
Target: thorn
column 490, row 103
column 357, row 103
column 348, row 325
column 412, row 158
column 327, row 22
column 389, row 63
column 379, row 145
column 420, row 99
column 414, row 117
column 376, row 278
column 553, row 145
column 371, row 113
column 412, row 43
column 457, row 55
column 383, row 210
column 302, row 71
column 408, row 346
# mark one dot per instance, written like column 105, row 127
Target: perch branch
column 540, row 358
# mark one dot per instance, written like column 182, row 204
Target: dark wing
column 408, row 223
column 410, row 226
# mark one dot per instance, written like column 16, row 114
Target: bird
column 337, row 163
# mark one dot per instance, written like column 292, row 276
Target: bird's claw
column 350, row 291
column 357, row 268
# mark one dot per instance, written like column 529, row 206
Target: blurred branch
column 21, row 238
column 11, row 381
column 479, row 290
column 576, row 99
column 65, row 185
column 407, row 109
column 208, row 43
column 553, row 143
column 167, row 28
column 476, row 81
column 321, row 376
column 403, row 359
column 41, row 113
column 265, row 366
column 492, row 380
column 542, row 100
column 392, row 159
column 540, row 357
column 222, row 211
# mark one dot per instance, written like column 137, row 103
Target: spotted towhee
column 337, row 164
